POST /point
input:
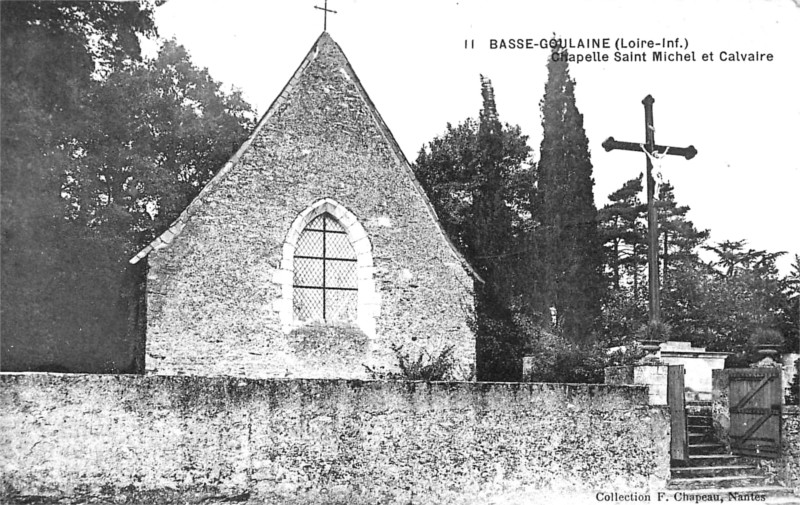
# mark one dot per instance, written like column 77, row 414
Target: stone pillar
column 720, row 407
column 791, row 364
column 527, row 368
column 654, row 376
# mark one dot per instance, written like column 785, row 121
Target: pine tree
column 94, row 139
column 572, row 252
column 678, row 238
column 623, row 231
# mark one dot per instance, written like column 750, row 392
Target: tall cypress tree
column 572, row 255
column 498, row 345
column 491, row 230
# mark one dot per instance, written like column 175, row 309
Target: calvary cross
column 650, row 148
column 325, row 21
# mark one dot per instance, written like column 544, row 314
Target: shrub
column 765, row 336
column 556, row 359
column 654, row 330
column 425, row 367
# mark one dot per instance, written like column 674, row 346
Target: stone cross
column 651, row 149
column 325, row 21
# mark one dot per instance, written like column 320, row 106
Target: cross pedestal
column 697, row 363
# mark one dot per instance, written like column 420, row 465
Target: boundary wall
column 324, row 441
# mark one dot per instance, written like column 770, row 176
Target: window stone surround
column 368, row 305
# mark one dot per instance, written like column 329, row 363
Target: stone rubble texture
column 326, row 441
column 789, row 470
column 216, row 282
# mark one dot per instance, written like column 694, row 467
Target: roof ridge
column 401, row 158
column 176, row 227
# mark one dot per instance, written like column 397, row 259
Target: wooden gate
column 679, row 440
column 755, row 408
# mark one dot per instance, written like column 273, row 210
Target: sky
column 742, row 116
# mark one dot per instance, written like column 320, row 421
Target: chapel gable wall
column 216, row 293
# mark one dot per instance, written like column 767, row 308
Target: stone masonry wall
column 325, row 441
column 213, row 300
column 720, row 406
column 789, row 471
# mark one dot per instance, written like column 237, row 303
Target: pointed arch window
column 325, row 279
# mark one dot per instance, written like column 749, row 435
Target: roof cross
column 653, row 151
column 325, row 21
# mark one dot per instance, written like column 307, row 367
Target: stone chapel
column 312, row 253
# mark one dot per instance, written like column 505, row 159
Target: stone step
column 704, row 457
column 719, row 482
column 706, row 448
column 698, row 420
column 765, row 494
column 782, row 500
column 713, row 470
column 698, row 407
column 709, row 460
column 696, row 438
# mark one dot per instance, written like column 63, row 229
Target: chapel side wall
column 213, row 297
column 325, row 441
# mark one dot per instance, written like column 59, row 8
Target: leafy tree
column 571, row 249
column 51, row 53
column 722, row 304
column 478, row 178
column 791, row 306
column 468, row 163
column 95, row 144
column 155, row 134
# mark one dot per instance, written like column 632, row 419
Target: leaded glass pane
column 310, row 243
column 338, row 246
column 332, row 224
column 340, row 305
column 308, row 304
column 340, row 274
column 316, row 223
column 308, row 272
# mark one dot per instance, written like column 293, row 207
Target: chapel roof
column 324, row 40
